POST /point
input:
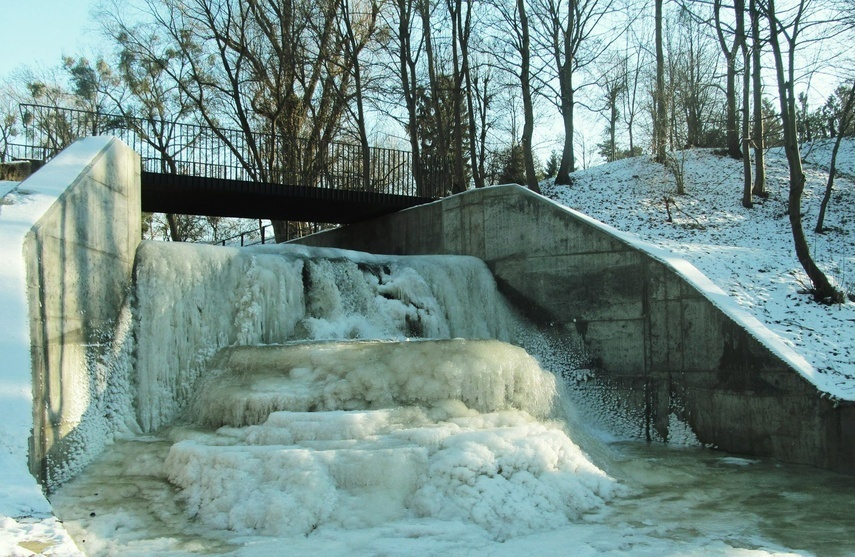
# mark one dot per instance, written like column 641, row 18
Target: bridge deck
column 191, row 195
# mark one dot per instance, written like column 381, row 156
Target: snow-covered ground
column 680, row 503
column 748, row 253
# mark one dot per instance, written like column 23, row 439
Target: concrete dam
column 425, row 366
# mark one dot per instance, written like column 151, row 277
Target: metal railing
column 264, row 234
column 222, row 153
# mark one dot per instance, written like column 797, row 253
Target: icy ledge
column 449, row 430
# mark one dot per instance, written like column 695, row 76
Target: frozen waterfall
column 193, row 300
column 316, row 388
column 324, row 402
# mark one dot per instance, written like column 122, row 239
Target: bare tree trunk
column 407, row 69
column 832, row 169
column 823, row 291
column 528, row 104
column 747, row 201
column 563, row 55
column 568, row 158
column 477, row 174
column 455, row 10
column 484, row 99
column 174, row 233
column 660, row 127
column 734, row 148
column 630, row 105
column 353, row 48
column 759, row 146
column 438, row 157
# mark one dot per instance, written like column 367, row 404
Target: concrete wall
column 663, row 347
column 79, row 257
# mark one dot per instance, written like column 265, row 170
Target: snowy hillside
column 747, row 252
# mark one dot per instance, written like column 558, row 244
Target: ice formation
column 356, row 434
column 245, row 384
column 306, row 400
column 193, row 300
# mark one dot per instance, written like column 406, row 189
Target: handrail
column 260, row 231
column 193, row 149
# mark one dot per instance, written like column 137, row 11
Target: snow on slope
column 747, row 252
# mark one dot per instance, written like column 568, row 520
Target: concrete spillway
column 193, row 300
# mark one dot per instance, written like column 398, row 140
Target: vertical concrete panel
column 79, row 260
column 618, row 345
column 451, row 238
column 472, row 232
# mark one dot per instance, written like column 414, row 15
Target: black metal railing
column 264, row 234
column 202, row 151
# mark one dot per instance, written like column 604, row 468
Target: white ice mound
column 245, row 384
column 453, row 430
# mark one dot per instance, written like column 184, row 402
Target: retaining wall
column 667, row 342
column 79, row 257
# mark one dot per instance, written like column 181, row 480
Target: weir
column 302, row 390
column 307, row 389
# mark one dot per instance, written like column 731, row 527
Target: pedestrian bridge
column 202, row 170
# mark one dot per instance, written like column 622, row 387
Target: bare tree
column 731, row 52
column 407, row 54
column 358, row 27
column 524, row 50
column 613, row 83
column 8, row 124
column 476, row 139
column 635, row 58
column 275, row 71
column 758, row 134
column 574, row 34
column 692, row 83
column 846, row 115
column 482, row 94
column 660, row 120
column 461, row 29
column 513, row 38
column 153, row 104
column 436, row 93
column 785, row 37
column 747, row 200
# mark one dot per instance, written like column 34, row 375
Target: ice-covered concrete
column 52, row 253
column 192, row 300
column 79, row 256
column 666, row 342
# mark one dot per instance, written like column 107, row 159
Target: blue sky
column 39, row 32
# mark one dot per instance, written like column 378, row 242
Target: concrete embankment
column 666, row 343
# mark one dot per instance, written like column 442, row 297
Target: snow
column 411, row 456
